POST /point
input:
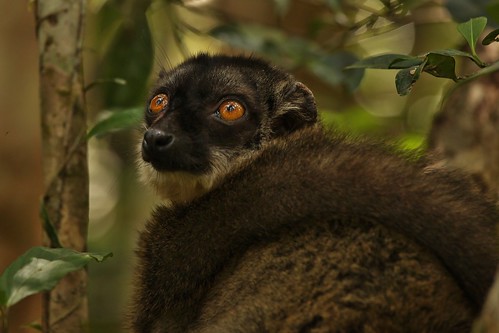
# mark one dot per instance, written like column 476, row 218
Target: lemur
column 273, row 223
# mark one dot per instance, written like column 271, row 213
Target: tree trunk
column 60, row 33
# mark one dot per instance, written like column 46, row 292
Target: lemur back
column 272, row 223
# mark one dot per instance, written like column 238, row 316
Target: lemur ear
column 296, row 110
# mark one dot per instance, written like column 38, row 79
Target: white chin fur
column 176, row 187
column 181, row 186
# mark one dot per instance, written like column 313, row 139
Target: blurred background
column 128, row 41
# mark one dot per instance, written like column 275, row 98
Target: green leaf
column 491, row 37
column 39, row 269
column 406, row 63
column 405, row 79
column 387, row 61
column 471, row 30
column 117, row 120
column 452, row 53
column 457, row 53
column 440, row 65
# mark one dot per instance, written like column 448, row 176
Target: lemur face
column 198, row 109
column 206, row 113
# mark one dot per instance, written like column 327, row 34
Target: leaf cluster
column 439, row 63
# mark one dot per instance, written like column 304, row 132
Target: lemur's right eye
column 158, row 103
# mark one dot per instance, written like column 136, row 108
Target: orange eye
column 231, row 110
column 158, row 103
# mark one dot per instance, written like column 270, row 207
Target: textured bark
column 59, row 33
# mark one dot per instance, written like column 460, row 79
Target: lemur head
column 209, row 113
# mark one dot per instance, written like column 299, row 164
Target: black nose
column 155, row 141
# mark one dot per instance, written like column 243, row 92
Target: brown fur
column 319, row 233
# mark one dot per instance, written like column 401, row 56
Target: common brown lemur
column 272, row 223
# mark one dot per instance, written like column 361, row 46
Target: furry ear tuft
column 297, row 110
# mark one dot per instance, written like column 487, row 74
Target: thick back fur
column 306, row 230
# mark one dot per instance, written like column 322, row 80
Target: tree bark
column 59, row 25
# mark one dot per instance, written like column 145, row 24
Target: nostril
column 164, row 140
column 156, row 139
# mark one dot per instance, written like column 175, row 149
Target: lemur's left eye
column 158, row 103
column 231, row 110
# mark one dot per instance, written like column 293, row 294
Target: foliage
column 116, row 120
column 39, row 269
column 439, row 63
column 327, row 62
column 491, row 37
column 126, row 36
